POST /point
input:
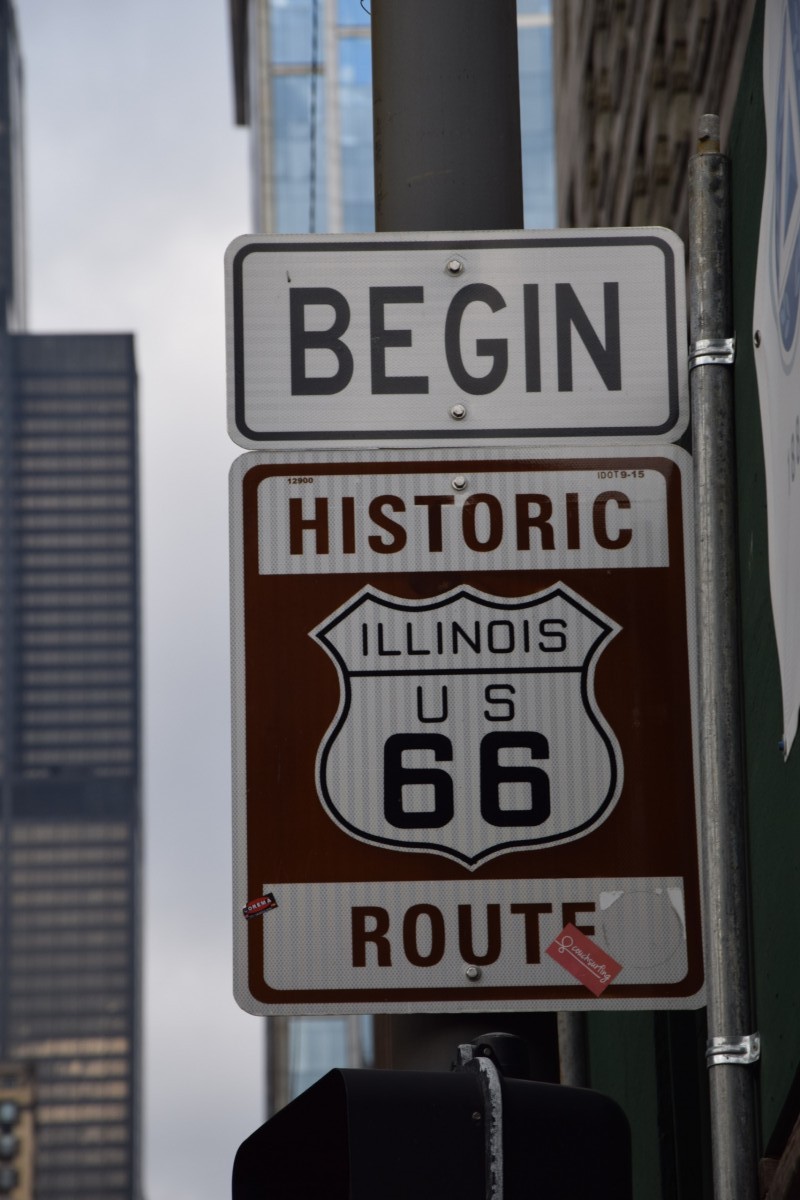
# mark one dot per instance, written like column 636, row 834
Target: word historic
column 482, row 522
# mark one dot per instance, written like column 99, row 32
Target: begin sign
column 463, row 734
column 453, row 337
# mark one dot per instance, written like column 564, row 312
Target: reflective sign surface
column 463, row 712
column 456, row 338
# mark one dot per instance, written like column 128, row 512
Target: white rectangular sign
column 360, row 936
column 574, row 518
column 456, row 338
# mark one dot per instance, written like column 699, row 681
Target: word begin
column 384, row 335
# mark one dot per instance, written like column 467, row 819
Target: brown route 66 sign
column 463, row 691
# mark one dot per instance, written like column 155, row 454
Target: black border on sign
column 252, row 991
column 456, row 434
column 589, row 703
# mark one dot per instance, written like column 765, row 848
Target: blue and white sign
column 776, row 330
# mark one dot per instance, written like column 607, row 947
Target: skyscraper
column 303, row 83
column 69, row 721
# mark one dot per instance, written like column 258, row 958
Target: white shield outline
column 606, row 629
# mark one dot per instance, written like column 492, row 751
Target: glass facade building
column 301, row 1049
column 69, row 726
column 303, row 83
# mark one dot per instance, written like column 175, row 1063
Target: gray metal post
column 731, row 1046
column 445, row 93
column 448, row 155
column 573, row 1056
column 445, row 81
column 481, row 1064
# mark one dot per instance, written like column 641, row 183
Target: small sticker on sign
column 254, row 908
column 583, row 958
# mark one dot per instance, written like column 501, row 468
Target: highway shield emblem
column 468, row 725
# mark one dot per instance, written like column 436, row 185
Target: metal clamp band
column 717, row 352
column 491, row 1088
column 743, row 1051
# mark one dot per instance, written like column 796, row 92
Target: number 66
column 492, row 774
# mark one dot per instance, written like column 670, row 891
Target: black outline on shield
column 382, row 598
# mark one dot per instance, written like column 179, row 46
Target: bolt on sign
column 464, row 768
column 453, row 338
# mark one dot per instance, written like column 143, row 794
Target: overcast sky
column 136, row 182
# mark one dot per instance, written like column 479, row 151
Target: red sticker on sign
column 262, row 904
column 583, row 958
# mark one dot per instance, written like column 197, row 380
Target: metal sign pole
column 448, row 153
column 732, row 1046
column 445, row 81
column 446, row 120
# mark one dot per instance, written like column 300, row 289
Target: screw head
column 459, row 483
column 472, row 973
column 458, row 412
column 454, row 266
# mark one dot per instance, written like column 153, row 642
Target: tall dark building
column 70, row 843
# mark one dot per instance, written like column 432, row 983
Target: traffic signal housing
column 409, row 1135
